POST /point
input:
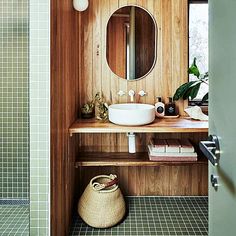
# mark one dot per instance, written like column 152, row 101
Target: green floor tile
column 14, row 220
column 155, row 216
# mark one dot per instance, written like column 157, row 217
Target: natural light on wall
column 198, row 40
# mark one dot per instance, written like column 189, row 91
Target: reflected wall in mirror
column 131, row 42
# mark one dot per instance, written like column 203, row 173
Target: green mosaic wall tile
column 14, row 99
column 39, row 116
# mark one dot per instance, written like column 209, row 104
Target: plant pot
column 88, row 115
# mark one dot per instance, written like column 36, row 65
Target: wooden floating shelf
column 178, row 125
column 91, row 159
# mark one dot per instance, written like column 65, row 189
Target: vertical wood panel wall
column 79, row 70
column 169, row 72
column 65, row 38
column 176, row 180
column 172, row 60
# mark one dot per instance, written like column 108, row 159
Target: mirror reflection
column 131, row 42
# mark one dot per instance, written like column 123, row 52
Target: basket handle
column 98, row 186
column 112, row 182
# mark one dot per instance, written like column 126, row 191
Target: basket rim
column 110, row 177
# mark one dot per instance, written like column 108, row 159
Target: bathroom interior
column 59, row 56
column 90, row 51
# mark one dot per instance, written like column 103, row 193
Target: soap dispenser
column 170, row 108
column 159, row 108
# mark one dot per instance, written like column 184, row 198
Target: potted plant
column 190, row 89
column 88, row 110
column 102, row 107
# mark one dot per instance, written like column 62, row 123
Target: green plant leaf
column 179, row 93
column 194, row 90
column 205, row 98
column 191, row 89
column 187, row 93
column 193, row 69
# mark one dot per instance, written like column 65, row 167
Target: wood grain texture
column 116, row 45
column 161, row 179
column 182, row 180
column 79, row 69
column 169, row 71
column 64, row 109
column 179, row 125
column 125, row 159
column 145, row 42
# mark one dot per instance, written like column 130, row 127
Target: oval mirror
column 131, row 42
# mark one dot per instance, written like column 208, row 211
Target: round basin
column 131, row 114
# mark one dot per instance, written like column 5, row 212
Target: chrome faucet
column 131, row 94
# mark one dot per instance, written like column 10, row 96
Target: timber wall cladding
column 175, row 180
column 64, row 105
column 169, row 72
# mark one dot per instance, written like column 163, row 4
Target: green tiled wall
column 14, row 99
column 39, row 116
column 24, row 106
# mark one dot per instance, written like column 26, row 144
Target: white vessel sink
column 131, row 114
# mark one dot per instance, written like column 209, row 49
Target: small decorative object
column 102, row 204
column 196, row 113
column 170, row 108
column 190, row 89
column 88, row 110
column 159, row 107
column 102, row 107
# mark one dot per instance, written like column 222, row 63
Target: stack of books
column 171, row 150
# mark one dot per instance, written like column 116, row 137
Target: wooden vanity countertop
column 177, row 125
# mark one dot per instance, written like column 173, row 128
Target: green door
column 222, row 115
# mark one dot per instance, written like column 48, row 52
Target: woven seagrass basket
column 102, row 204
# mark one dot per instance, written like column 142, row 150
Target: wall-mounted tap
column 121, row 93
column 142, row 93
column 131, row 94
